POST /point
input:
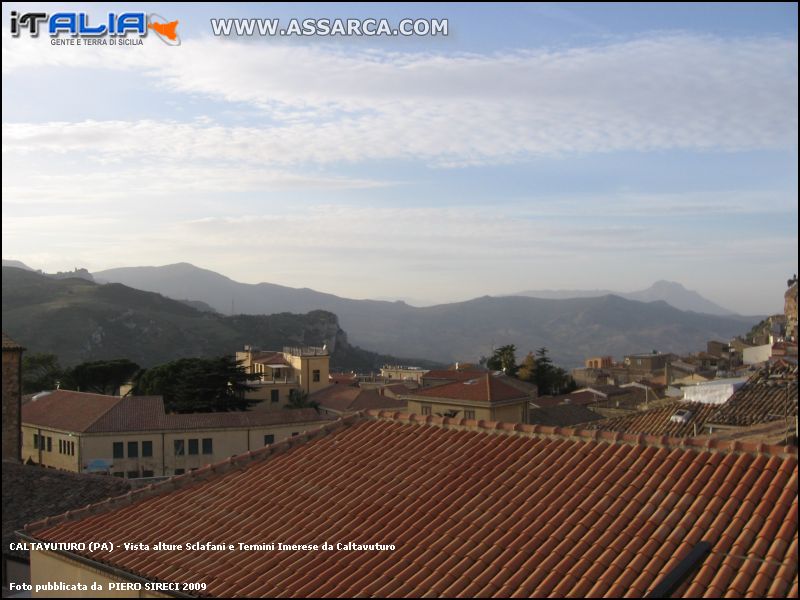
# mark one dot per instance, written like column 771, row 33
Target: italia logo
column 78, row 24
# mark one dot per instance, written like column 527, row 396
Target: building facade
column 599, row 362
column 403, row 373
column 485, row 397
column 133, row 437
column 303, row 369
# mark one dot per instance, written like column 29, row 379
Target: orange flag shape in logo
column 165, row 29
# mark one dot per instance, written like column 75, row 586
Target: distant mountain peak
column 664, row 284
column 673, row 293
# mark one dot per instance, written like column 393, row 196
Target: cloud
column 171, row 183
column 324, row 105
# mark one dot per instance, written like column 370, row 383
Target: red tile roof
column 243, row 419
column 473, row 510
column 579, row 398
column 93, row 413
column 343, row 378
column 658, row 421
column 770, row 394
column 67, row 410
column 453, row 375
column 271, row 358
column 485, row 387
column 351, row 399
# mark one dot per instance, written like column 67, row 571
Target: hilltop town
column 384, row 300
column 123, row 452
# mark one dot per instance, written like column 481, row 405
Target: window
column 36, row 441
column 269, row 439
column 180, row 471
column 179, row 451
column 274, row 395
column 133, row 449
column 208, row 446
column 194, row 447
column 469, row 414
column 49, row 444
column 147, row 474
column 315, row 375
column 119, row 474
column 133, row 474
column 276, row 374
column 294, row 433
column 147, row 448
column 118, row 450
column 72, row 448
column 61, row 446
column 426, row 409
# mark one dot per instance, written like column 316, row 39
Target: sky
column 536, row 146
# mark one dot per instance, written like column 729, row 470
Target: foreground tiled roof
column 485, row 388
column 472, row 508
column 93, row 413
column 31, row 493
column 657, row 421
column 768, row 395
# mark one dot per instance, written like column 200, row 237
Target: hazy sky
column 536, row 146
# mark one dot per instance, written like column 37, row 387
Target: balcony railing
column 276, row 380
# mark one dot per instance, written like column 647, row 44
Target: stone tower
column 12, row 399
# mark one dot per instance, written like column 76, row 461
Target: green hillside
column 80, row 321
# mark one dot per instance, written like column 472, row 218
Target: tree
column 198, row 384
column 40, row 372
column 527, row 369
column 299, row 399
column 504, row 359
column 100, row 377
column 550, row 379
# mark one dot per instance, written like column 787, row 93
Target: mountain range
column 79, row 320
column 670, row 292
column 571, row 328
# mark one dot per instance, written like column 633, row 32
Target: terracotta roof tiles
column 480, row 509
column 31, row 493
column 768, row 395
column 95, row 413
column 345, row 398
column 485, row 387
